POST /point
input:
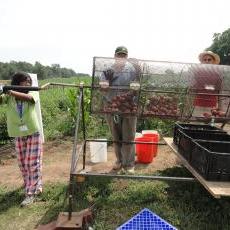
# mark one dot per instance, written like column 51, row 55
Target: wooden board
column 217, row 189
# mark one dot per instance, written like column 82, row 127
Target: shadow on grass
column 176, row 171
column 11, row 199
column 195, row 207
column 84, row 195
column 55, row 196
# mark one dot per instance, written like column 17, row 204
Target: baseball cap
column 121, row 49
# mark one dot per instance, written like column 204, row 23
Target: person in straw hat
column 206, row 79
column 208, row 57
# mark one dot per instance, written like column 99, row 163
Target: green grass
column 186, row 205
column 12, row 216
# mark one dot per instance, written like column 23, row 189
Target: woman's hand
column 20, row 95
column 217, row 112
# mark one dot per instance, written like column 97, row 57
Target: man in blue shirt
column 123, row 127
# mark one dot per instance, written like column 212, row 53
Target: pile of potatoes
column 214, row 113
column 162, row 105
column 122, row 103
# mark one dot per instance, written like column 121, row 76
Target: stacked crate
column 206, row 148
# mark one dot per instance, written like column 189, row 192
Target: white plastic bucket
column 149, row 131
column 138, row 134
column 98, row 151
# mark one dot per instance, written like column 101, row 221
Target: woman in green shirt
column 22, row 123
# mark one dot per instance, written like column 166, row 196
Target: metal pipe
column 127, row 142
column 164, row 178
column 69, row 85
column 21, row 88
column 75, row 157
column 70, row 206
column 74, row 152
column 83, row 123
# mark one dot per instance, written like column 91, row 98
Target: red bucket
column 154, row 138
column 144, row 152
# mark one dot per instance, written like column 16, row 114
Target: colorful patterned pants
column 29, row 152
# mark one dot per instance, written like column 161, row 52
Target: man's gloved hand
column 104, row 84
column 2, row 89
column 108, row 74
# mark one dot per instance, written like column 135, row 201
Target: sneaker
column 117, row 166
column 122, row 171
column 28, row 200
column 130, row 170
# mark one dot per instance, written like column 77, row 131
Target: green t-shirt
column 27, row 123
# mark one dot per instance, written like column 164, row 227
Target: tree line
column 221, row 46
column 43, row 72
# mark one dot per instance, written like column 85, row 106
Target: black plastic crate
column 211, row 159
column 209, row 136
column 184, row 139
column 186, row 144
column 188, row 128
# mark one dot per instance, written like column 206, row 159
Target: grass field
column 186, row 205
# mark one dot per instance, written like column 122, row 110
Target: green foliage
column 164, row 127
column 92, row 123
column 43, row 72
column 221, row 46
column 4, row 138
column 55, row 117
column 59, row 107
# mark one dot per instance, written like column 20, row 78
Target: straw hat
column 215, row 56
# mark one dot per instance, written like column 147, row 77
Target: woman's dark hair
column 19, row 77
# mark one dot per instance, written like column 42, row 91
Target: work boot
column 117, row 166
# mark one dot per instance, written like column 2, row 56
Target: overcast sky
column 72, row 32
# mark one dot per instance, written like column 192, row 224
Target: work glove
column 108, row 74
column 104, row 84
column 2, row 89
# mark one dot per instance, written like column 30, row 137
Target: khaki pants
column 123, row 129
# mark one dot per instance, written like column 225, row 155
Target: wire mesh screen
column 160, row 89
column 164, row 89
column 119, row 74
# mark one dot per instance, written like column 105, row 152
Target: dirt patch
column 57, row 163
